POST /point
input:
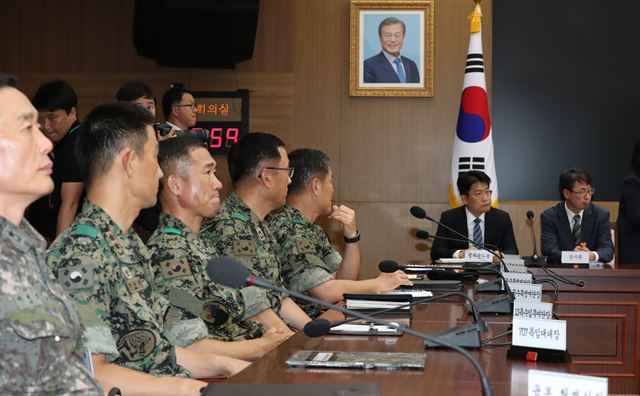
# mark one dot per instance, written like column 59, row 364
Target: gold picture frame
column 371, row 69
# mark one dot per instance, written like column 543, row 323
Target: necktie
column 575, row 231
column 401, row 75
column 477, row 232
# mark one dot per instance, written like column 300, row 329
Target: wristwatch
column 354, row 239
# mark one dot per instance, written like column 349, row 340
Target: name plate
column 520, row 269
column 514, row 277
column 546, row 334
column 532, row 310
column 573, row 257
column 560, row 384
column 527, row 292
column 510, row 259
column 477, row 256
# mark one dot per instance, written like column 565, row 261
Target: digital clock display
column 225, row 115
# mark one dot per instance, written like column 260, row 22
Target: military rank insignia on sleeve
column 76, row 277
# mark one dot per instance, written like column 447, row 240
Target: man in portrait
column 389, row 66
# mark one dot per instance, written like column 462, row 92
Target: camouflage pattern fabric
column 40, row 332
column 306, row 254
column 179, row 259
column 236, row 231
column 105, row 272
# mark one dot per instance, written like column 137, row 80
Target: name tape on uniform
column 546, row 334
column 532, row 310
column 553, row 383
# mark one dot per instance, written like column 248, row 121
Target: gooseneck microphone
column 228, row 272
column 534, row 260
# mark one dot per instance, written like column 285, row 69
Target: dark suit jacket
column 498, row 231
column 629, row 221
column 377, row 69
column 594, row 230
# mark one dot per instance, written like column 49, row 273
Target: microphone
column 534, row 260
column 420, row 213
column 229, row 272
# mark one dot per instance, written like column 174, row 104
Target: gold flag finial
column 474, row 18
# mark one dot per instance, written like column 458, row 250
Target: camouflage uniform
column 179, row 260
column 105, row 273
column 307, row 257
column 40, row 333
column 236, row 231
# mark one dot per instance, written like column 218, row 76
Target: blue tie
column 401, row 75
column 477, row 232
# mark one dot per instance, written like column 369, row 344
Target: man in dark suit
column 389, row 66
column 476, row 220
column 629, row 213
column 576, row 223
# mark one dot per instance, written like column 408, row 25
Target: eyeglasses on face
column 480, row 194
column 190, row 105
column 588, row 191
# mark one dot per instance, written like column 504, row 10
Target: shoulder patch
column 240, row 216
column 171, row 230
column 76, row 277
column 86, row 230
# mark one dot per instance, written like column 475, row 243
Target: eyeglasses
column 191, row 105
column 290, row 170
column 588, row 191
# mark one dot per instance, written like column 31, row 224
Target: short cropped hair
column 174, row 156
column 55, row 95
column 391, row 21
column 635, row 157
column 7, row 81
column 468, row 179
column 133, row 90
column 247, row 155
column 106, row 131
column 308, row 163
column 570, row 177
column 172, row 97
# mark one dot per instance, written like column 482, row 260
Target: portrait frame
column 417, row 48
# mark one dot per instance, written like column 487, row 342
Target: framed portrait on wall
column 391, row 48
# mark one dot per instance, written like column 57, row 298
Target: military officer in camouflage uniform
column 309, row 263
column 259, row 169
column 189, row 192
column 104, row 265
column 40, row 333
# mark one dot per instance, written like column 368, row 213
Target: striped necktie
column 477, row 232
column 575, row 231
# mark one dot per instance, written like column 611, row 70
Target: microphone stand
column 487, row 390
column 534, row 260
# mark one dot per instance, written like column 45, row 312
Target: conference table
column 603, row 338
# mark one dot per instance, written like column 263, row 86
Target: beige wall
column 387, row 153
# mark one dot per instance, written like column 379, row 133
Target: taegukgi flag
column 472, row 144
